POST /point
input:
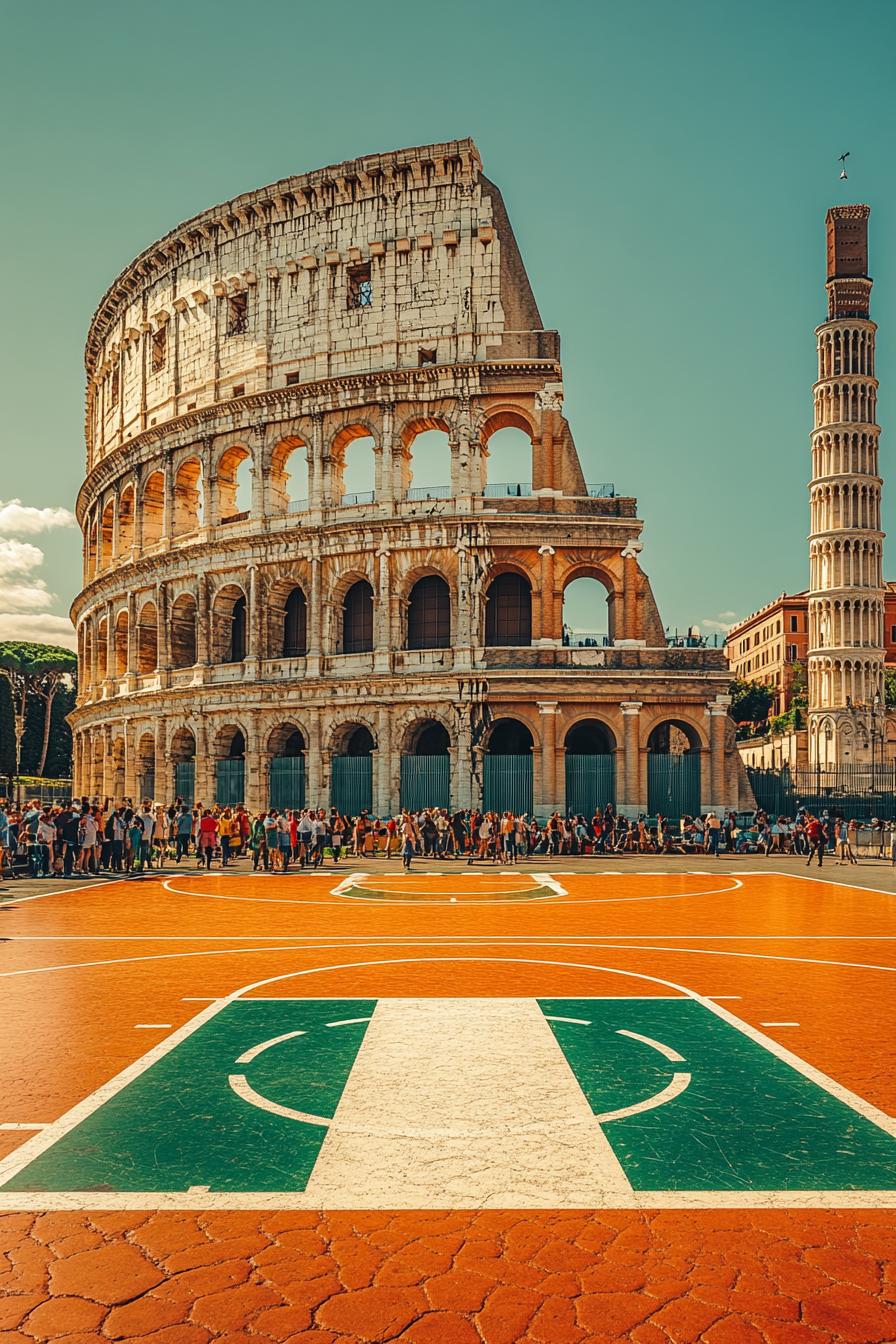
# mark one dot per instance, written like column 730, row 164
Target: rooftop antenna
column 843, row 158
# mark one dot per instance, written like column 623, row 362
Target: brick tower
column 846, row 594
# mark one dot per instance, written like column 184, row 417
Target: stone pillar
column 163, row 633
column 717, row 710
column 315, row 465
column 631, row 710
column 382, row 610
column 253, row 634
column 383, row 803
column 111, row 656
column 94, row 655
column 204, row 778
column 313, row 773
column 259, row 503
column 203, row 622
column 253, row 787
column 130, row 762
column 548, row 632
column 548, row 802
column 385, row 493
column 168, row 503
column 630, row 591
column 137, row 528
column 116, row 524
column 164, row 789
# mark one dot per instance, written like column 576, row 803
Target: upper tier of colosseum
column 393, row 261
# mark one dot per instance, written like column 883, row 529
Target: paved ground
column 587, row 1100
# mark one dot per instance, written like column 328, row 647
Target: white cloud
column 25, row 596
column 726, row 620
column 18, row 557
column 43, row 629
column 24, row 518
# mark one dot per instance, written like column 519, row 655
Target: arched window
column 509, row 737
column 360, row 743
column 183, row 631
column 432, row 741
column 237, row 745
column 588, row 738
column 429, row 614
column 147, row 639
column 508, row 612
column 295, row 629
column 238, row 631
column 357, row 625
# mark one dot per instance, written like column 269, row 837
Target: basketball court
column 510, row 1045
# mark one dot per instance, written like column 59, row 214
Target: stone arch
column 356, row 632
column 146, row 766
column 287, row 739
column 353, row 737
column 673, row 737
column 152, row 507
column 121, row 642
column 102, row 650
column 107, row 533
column 126, row 520
column 187, row 497
column 351, row 472
column 182, row 746
column 182, row 635
column 510, row 735
column 428, row 446
column 426, row 735
column 589, row 736
column 230, row 624
column 281, row 498
column 589, row 607
column 428, row 615
column 508, row 610
column 231, row 501
column 147, row 638
column 285, row 633
column 505, row 458
column 230, row 740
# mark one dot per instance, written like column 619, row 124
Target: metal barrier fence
column 185, row 781
column 673, row 784
column 425, row 782
column 287, row 782
column 860, row 791
column 352, row 787
column 230, row 775
column 25, row 788
column 507, row 783
column 590, row 784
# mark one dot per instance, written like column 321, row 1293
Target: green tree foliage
column 58, row 764
column 36, row 671
column 799, row 686
column 7, row 731
column 890, row 686
column 750, row 701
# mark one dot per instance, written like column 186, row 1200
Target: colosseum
column 249, row 629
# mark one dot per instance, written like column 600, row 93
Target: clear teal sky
column 666, row 166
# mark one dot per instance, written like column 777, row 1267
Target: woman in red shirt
column 208, row 837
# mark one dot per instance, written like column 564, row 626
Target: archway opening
column 429, row 614
column 509, row 462
column 295, row 625
column 359, row 742
column 356, row 467
column 426, row 768
column 433, row 739
column 108, row 533
column 126, row 521
column 102, row 646
column 230, row 624
column 147, row 639
column 357, row 619
column 587, row 614
column 153, row 509
column 287, row 769
column 237, row 745
column 673, row 738
column 289, row 485
column 121, row 644
column 590, row 765
column 508, row 612
column 352, row 772
column 507, row 768
column 673, row 769
column 430, row 474
column 188, row 497
column 234, row 479
column 183, row 631
column 146, row 768
column 183, row 754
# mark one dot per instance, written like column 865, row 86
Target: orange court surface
column 522, row 1104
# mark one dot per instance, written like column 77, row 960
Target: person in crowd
column 208, row 837
column 410, row 837
column 816, row 834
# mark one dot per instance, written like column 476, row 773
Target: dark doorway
column 357, row 628
column 429, row 614
column 295, row 629
column 508, row 612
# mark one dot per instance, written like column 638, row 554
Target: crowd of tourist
column 87, row 839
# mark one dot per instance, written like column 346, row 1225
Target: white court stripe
column 346, row 1022
column 238, row 1082
column 579, row 1021
column 248, row 1057
column 10, row 1125
column 152, row 1026
column 678, row 1084
column 657, row 1045
column 779, row 1024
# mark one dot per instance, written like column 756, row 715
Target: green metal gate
column 352, row 788
column 287, row 783
column 425, row 782
column 507, row 783
column 673, row 784
column 185, row 781
column 229, row 781
column 590, row 784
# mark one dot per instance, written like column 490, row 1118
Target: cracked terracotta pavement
column 187, row 1276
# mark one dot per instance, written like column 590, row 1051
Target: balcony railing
column 362, row 497
column 298, row 505
column 508, row 490
column 585, row 639
column 604, row 491
column 429, row 492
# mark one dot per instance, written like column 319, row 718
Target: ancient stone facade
column 379, row 298
column 846, row 587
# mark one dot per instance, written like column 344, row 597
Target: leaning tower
column 846, row 594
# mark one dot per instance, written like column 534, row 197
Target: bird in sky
column 843, row 158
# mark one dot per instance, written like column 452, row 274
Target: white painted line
column 10, row 1125
column 346, row 1022
column 266, row 1045
column 238, row 1082
column 198, row 1189
column 718, row 997
column 657, row 1045
column 152, row 1026
column 678, row 1084
column 779, row 1024
column 199, row 1000
column 579, row 1021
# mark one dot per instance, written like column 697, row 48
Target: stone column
column 204, row 779
column 111, row 656
column 168, row 503
column 631, row 710
column 116, row 524
column 164, row 789
column 94, row 655
column 203, row 623
column 548, row 632
column 630, row 591
column 313, row 774
column 132, row 635
column 315, row 644
column 549, row 802
column 253, row 639
column 130, row 762
column 163, row 634
column 717, row 710
column 382, row 611
column 253, row 786
column 383, row 803
column 385, row 493
column 315, row 466
column 137, row 529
